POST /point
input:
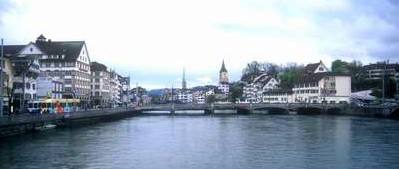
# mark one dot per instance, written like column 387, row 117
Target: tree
column 211, row 98
column 252, row 70
column 288, row 76
column 255, row 68
column 340, row 66
column 235, row 92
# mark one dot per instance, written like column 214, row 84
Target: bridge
column 248, row 108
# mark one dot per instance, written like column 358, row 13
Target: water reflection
column 219, row 141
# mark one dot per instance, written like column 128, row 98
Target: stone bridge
column 247, row 108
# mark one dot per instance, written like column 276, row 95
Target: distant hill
column 155, row 92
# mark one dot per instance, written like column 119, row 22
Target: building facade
column 115, row 88
column 254, row 91
column 317, row 84
column 51, row 88
column 100, row 95
column 70, row 61
column 25, row 70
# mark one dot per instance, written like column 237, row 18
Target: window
column 97, row 80
column 33, row 86
column 31, row 49
column 97, row 86
column 27, row 85
column 321, row 69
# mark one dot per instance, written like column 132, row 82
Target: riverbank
column 13, row 125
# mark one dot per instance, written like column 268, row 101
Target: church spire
column 223, row 68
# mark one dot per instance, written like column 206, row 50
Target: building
column 25, row 70
column 316, row 84
column 277, row 96
column 185, row 96
column 100, row 85
column 115, row 88
column 253, row 91
column 224, row 85
column 382, row 69
column 70, row 61
column 377, row 70
column 52, row 88
column 125, row 83
column 7, row 87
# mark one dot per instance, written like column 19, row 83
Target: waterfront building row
column 57, row 69
column 315, row 84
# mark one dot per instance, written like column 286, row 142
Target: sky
column 152, row 41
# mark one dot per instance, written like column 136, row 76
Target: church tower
column 184, row 83
column 223, row 75
column 224, row 86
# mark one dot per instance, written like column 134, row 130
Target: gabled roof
column 95, row 66
column 71, row 49
column 10, row 50
column 310, row 68
column 223, row 68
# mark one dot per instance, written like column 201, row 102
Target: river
column 211, row 142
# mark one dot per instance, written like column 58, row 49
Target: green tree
column 252, row 70
column 288, row 76
column 255, row 68
column 211, row 98
column 235, row 92
column 340, row 66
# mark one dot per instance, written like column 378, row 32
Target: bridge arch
column 333, row 110
column 395, row 113
column 273, row 110
column 309, row 110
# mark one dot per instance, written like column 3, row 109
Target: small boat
column 45, row 127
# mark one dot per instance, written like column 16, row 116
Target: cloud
column 5, row 7
column 153, row 43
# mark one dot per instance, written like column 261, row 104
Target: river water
column 211, row 142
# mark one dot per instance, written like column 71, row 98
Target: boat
column 45, row 127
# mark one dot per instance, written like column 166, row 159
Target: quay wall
column 30, row 123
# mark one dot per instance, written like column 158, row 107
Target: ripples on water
column 207, row 142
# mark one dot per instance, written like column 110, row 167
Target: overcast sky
column 152, row 40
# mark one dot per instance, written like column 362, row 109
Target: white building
column 185, row 97
column 25, row 69
column 253, row 91
column 278, row 96
column 199, row 97
column 317, row 84
column 70, row 61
